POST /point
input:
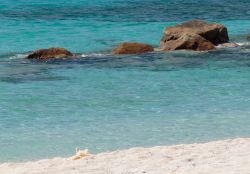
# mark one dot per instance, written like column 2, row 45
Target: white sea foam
column 243, row 43
column 240, row 44
column 18, row 56
column 93, row 55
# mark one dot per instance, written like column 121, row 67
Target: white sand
column 219, row 157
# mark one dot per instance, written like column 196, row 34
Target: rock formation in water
column 132, row 48
column 189, row 41
column 194, row 35
column 50, row 53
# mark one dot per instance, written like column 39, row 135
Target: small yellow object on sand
column 80, row 154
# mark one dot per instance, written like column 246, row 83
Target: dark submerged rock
column 132, row 48
column 248, row 37
column 50, row 53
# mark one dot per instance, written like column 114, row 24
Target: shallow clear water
column 104, row 102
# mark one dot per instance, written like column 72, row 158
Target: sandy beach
column 218, row 157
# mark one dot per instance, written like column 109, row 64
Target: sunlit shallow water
column 104, row 102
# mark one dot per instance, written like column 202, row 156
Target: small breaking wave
column 237, row 44
column 243, row 43
column 18, row 56
column 94, row 55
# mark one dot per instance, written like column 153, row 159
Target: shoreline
column 217, row 157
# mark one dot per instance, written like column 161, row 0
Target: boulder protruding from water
column 132, row 48
column 189, row 41
column 213, row 33
column 50, row 53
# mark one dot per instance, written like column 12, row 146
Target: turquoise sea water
column 104, row 102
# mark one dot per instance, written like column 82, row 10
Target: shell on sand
column 80, row 154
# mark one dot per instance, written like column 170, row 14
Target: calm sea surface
column 104, row 102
